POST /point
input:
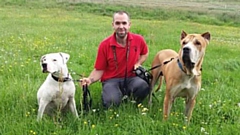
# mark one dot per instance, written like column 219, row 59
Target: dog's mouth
column 186, row 59
column 45, row 71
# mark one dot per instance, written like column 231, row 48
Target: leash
column 160, row 74
column 164, row 63
column 87, row 99
column 155, row 67
column 153, row 94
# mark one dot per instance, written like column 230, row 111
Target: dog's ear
column 183, row 35
column 65, row 57
column 207, row 36
column 42, row 58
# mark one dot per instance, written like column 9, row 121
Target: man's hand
column 93, row 77
column 85, row 81
column 136, row 66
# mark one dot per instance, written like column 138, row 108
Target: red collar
column 113, row 41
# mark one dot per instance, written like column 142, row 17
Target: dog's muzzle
column 186, row 58
column 44, row 68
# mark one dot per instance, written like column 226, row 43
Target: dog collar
column 180, row 65
column 58, row 79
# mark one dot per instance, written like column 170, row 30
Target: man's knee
column 140, row 84
column 143, row 90
column 111, row 94
column 140, row 88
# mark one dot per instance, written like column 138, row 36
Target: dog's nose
column 186, row 50
column 44, row 65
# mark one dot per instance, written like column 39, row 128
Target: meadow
column 30, row 29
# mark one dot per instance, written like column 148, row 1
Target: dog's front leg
column 190, row 103
column 72, row 106
column 41, row 109
column 167, row 106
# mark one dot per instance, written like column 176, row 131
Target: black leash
column 155, row 96
column 87, row 99
column 160, row 74
column 165, row 62
column 154, row 67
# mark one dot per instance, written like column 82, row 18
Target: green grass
column 31, row 29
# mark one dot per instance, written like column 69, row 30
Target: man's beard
column 121, row 35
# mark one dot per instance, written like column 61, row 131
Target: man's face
column 121, row 25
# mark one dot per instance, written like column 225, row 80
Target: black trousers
column 114, row 90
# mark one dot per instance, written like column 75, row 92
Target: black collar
column 58, row 79
column 180, row 65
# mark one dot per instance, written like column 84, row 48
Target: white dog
column 58, row 90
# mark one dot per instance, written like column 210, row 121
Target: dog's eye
column 198, row 43
column 54, row 59
column 184, row 42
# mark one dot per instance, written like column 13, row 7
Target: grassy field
column 30, row 29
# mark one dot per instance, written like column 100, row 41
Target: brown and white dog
column 181, row 71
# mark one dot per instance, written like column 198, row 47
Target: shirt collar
column 113, row 41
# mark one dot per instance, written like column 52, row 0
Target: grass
column 210, row 12
column 30, row 29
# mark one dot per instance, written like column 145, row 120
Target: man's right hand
column 85, row 81
column 93, row 77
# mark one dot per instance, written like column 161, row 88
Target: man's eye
column 117, row 23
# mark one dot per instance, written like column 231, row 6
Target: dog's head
column 54, row 62
column 192, row 51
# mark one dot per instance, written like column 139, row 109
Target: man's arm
column 141, row 60
column 94, row 76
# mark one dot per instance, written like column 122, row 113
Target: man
column 118, row 56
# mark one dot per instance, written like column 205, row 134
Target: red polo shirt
column 115, row 64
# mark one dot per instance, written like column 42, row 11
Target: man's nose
column 121, row 25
